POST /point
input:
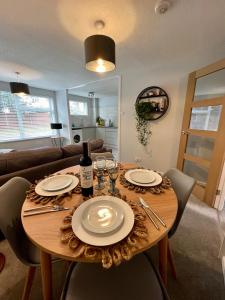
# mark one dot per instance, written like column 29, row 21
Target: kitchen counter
column 77, row 128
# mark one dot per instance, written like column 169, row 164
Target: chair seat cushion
column 133, row 280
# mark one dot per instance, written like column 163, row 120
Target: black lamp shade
column 99, row 53
column 19, row 88
column 56, row 125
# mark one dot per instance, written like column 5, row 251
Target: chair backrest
column 12, row 196
column 135, row 279
column 183, row 186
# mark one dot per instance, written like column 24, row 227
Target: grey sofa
column 36, row 163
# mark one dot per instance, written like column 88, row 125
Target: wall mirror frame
column 202, row 143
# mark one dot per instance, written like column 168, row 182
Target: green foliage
column 143, row 111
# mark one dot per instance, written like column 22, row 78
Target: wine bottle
column 86, row 172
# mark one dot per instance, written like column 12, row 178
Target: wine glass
column 100, row 166
column 113, row 171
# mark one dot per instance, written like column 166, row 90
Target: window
column 24, row 117
column 78, row 108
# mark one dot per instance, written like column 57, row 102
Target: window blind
column 24, row 117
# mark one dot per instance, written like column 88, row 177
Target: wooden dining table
column 43, row 230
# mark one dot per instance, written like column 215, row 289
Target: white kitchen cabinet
column 111, row 135
column 100, row 133
column 88, row 133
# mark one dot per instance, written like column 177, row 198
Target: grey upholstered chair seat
column 133, row 280
column 183, row 186
column 32, row 253
column 12, row 196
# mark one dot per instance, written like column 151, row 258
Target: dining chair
column 183, row 186
column 136, row 279
column 12, row 196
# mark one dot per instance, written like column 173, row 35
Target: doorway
column 94, row 111
column 202, row 141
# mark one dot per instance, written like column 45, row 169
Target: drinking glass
column 113, row 171
column 100, row 166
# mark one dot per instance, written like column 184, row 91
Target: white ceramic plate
column 108, row 163
column 103, row 239
column 40, row 190
column 56, row 183
column 157, row 181
column 142, row 176
column 102, row 216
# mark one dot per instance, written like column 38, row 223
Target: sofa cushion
column 71, row 150
column 96, row 144
column 38, row 172
column 19, row 160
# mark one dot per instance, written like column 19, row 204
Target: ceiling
column 108, row 87
column 44, row 39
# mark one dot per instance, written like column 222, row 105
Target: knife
column 45, row 212
column 147, row 213
column 43, row 208
column 148, row 207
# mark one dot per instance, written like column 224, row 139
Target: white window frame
column 80, row 101
column 53, row 113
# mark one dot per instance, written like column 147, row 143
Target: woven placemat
column 158, row 189
column 110, row 255
column 32, row 196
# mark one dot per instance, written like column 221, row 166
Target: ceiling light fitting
column 99, row 53
column 91, row 94
column 99, row 24
column 19, row 88
column 162, row 6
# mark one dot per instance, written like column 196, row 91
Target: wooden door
column 202, row 141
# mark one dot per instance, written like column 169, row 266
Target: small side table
column 57, row 141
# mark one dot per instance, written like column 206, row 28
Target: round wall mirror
column 152, row 103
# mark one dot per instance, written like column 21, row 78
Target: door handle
column 184, row 132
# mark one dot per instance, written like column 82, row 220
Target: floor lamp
column 57, row 126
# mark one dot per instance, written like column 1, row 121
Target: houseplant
column 143, row 115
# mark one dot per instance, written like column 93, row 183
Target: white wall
column 63, row 116
column 161, row 153
column 108, row 109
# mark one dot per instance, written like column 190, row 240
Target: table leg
column 163, row 258
column 46, row 273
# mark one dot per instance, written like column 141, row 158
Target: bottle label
column 86, row 176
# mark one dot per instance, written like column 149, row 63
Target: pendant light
column 19, row 88
column 99, row 53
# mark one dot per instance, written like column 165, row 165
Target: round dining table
column 44, row 229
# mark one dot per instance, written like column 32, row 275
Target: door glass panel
column 200, row 146
column 205, row 117
column 195, row 171
column 210, row 86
